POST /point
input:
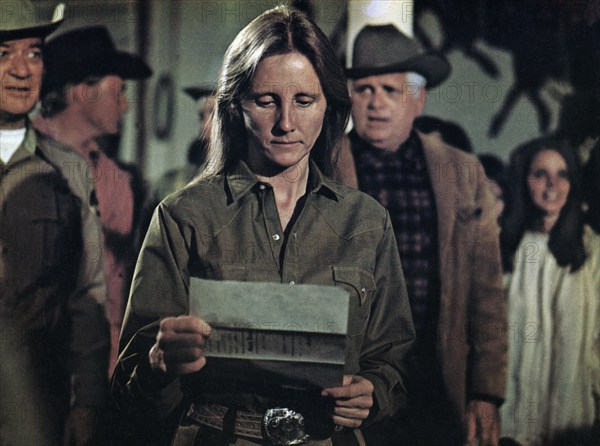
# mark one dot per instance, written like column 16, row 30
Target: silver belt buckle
column 284, row 427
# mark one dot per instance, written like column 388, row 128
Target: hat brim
column 42, row 30
column 73, row 71
column 434, row 68
column 23, row 33
column 128, row 66
column 122, row 64
column 198, row 92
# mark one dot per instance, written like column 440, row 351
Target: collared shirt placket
column 271, row 222
column 287, row 260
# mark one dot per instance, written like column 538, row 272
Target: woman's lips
column 285, row 143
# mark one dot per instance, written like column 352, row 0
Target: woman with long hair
column 553, row 285
column 264, row 210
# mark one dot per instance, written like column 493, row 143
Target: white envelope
column 292, row 335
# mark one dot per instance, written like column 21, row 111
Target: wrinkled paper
column 292, row 335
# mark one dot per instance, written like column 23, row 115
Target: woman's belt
column 280, row 426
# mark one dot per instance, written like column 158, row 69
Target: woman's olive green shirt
column 227, row 228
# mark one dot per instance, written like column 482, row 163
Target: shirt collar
column 409, row 150
column 29, row 143
column 241, row 180
column 28, row 146
column 412, row 149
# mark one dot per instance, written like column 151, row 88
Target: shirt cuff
column 146, row 381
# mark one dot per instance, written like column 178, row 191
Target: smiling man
column 48, row 288
column 443, row 217
column 21, row 79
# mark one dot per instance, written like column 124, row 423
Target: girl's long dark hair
column 566, row 237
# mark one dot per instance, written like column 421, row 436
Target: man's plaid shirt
column 400, row 182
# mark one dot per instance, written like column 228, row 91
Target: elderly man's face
column 384, row 108
column 21, row 70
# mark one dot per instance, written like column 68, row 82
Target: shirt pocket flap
column 359, row 279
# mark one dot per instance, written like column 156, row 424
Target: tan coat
column 472, row 329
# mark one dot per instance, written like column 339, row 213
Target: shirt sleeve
column 159, row 289
column 390, row 331
column 90, row 336
column 592, row 278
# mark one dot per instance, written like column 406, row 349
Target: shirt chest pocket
column 361, row 286
column 38, row 238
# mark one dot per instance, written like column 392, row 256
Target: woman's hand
column 353, row 401
column 179, row 346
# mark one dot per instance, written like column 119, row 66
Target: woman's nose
column 287, row 117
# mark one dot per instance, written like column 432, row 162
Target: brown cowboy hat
column 382, row 49
column 73, row 56
column 20, row 20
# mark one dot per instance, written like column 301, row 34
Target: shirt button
column 292, row 283
column 275, row 237
column 262, row 187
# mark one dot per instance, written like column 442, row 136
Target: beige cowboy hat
column 20, row 19
column 382, row 49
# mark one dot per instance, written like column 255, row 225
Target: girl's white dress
column 553, row 386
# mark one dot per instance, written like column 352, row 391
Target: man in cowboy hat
column 51, row 285
column 83, row 103
column 443, row 215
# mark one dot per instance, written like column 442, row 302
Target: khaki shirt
column 47, row 274
column 227, row 228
